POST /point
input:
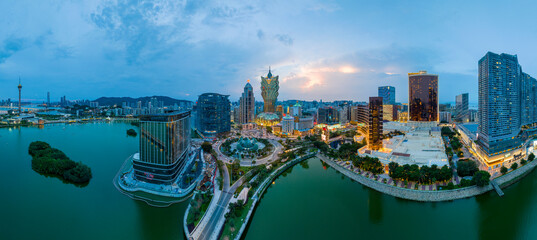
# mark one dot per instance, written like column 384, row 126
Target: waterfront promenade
column 430, row 196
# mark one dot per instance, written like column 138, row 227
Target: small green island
column 131, row 132
column 51, row 161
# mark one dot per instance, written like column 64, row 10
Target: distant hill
column 109, row 101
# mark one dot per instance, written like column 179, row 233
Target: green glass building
column 164, row 147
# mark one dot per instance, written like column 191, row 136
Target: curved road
column 227, row 193
column 277, row 150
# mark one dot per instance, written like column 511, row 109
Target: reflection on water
column 160, row 223
column 503, row 218
column 375, row 206
column 320, row 203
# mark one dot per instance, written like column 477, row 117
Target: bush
column 466, row 183
column 514, row 166
column 503, row 170
column 523, row 162
column 531, row 157
column 131, row 132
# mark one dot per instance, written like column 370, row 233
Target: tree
column 207, row 147
column 481, row 178
column 514, row 166
column 503, row 170
column 531, row 157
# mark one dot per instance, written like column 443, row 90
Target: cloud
column 285, row 39
column 10, row 46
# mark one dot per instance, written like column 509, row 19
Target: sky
column 329, row 50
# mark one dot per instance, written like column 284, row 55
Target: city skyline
column 86, row 50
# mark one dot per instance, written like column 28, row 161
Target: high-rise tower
column 375, row 126
column 423, row 97
column 20, row 89
column 269, row 91
column 499, row 102
column 247, row 105
column 461, row 106
column 388, row 94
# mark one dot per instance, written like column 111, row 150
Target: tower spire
column 269, row 75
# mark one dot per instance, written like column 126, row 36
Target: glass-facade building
column 375, row 127
column 423, row 97
column 164, row 147
column 327, row 115
column 387, row 93
column 247, row 105
column 507, row 102
column 213, row 113
column 461, row 106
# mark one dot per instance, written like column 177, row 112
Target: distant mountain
column 109, row 101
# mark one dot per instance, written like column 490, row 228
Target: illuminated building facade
column 164, row 147
column 423, row 97
column 375, row 123
column 269, row 91
column 390, row 112
column 288, row 124
column 327, row 115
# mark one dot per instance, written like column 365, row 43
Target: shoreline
column 432, row 196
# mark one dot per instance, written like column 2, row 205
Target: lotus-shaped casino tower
column 269, row 90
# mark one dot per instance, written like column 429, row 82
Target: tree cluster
column 48, row 160
column 235, row 209
column 368, row 164
column 207, row 147
column 466, row 168
column 424, row 175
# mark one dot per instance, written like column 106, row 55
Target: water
column 316, row 203
column 309, row 202
column 39, row 207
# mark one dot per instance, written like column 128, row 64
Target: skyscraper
column 247, row 105
column 423, row 97
column 20, row 89
column 388, row 94
column 505, row 103
column 164, row 147
column 213, row 113
column 461, row 107
column 48, row 99
column 327, row 115
column 269, row 91
column 375, row 123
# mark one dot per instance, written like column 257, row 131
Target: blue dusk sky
column 330, row 50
